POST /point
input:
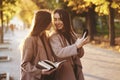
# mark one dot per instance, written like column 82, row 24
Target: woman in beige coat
column 36, row 48
column 66, row 46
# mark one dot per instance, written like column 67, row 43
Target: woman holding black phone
column 66, row 46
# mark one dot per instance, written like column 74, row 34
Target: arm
column 27, row 57
column 60, row 51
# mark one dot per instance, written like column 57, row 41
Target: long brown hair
column 67, row 31
column 41, row 21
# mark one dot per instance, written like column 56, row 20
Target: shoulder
column 54, row 38
column 27, row 42
column 53, row 35
column 30, row 40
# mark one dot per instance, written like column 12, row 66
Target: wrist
column 76, row 46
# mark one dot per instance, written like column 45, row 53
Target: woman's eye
column 59, row 19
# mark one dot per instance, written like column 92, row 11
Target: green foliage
column 102, row 26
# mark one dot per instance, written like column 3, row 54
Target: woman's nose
column 57, row 21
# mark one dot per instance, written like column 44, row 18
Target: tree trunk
column 91, row 23
column 7, row 22
column 111, row 27
column 1, row 16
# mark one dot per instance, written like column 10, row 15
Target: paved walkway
column 11, row 49
column 101, row 64
column 98, row 64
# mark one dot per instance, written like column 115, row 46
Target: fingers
column 85, row 39
column 47, row 72
column 81, row 41
column 84, row 35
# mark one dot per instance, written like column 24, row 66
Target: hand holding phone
column 82, row 41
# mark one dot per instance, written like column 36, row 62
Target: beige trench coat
column 66, row 71
column 32, row 52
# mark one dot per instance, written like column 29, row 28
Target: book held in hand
column 46, row 64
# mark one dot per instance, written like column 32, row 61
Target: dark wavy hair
column 67, row 31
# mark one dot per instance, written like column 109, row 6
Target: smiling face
column 57, row 21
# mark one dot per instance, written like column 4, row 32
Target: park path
column 11, row 49
column 98, row 63
column 101, row 64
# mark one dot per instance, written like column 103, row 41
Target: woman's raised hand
column 81, row 41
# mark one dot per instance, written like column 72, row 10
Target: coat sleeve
column 60, row 51
column 27, row 56
column 80, row 52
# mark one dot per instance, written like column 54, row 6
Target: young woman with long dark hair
column 66, row 46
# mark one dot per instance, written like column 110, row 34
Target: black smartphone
column 85, row 31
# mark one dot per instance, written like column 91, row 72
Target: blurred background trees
column 98, row 8
column 7, row 10
column 100, row 17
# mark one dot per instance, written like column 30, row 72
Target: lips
column 59, row 25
